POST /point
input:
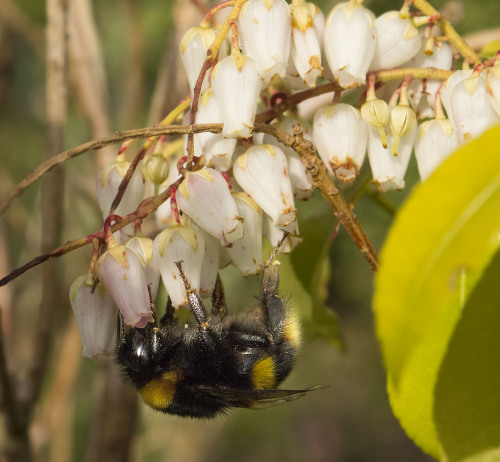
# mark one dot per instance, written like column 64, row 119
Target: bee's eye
column 139, row 349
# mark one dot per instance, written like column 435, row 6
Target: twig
column 465, row 50
column 212, row 53
column 171, row 117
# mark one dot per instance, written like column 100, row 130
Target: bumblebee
column 218, row 362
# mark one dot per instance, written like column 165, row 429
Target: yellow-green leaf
column 467, row 392
column 441, row 241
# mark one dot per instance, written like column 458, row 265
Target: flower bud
column 95, row 315
column 122, row 272
column 436, row 140
column 397, row 41
column 375, row 113
column 179, row 243
column 143, row 246
column 236, row 87
column 401, row 121
column 205, row 197
column 262, row 172
column 246, row 254
column 193, row 47
column 265, row 33
column 349, row 42
column 472, row 111
column 157, row 168
column 341, row 136
column 306, row 50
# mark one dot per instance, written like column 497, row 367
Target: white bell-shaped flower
column 447, row 89
column 306, row 49
column 143, row 246
column 349, row 43
column 262, row 172
column 210, row 266
column 204, row 196
column 217, row 149
column 193, row 47
column 246, row 254
column 274, row 234
column 341, row 136
column 265, row 33
column 493, row 87
column 236, row 87
column 123, row 274
column 299, row 175
column 95, row 315
column 179, row 243
column 108, row 182
column 436, row 140
column 389, row 170
column 397, row 41
column 472, row 111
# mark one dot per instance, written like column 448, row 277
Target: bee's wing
column 258, row 399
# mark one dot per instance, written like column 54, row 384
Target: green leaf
column 467, row 392
column 441, row 241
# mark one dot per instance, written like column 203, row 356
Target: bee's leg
column 194, row 298
column 120, row 330
column 273, row 305
column 168, row 317
column 152, row 306
column 218, row 302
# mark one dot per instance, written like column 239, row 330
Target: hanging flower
column 274, row 234
column 246, row 254
column 235, row 79
column 472, row 111
column 95, row 315
column 447, row 89
column 349, row 42
column 493, row 87
column 262, row 172
column 193, row 47
column 341, row 136
column 179, row 243
column 205, row 197
column 217, row 150
column 397, row 41
column 265, row 33
column 143, row 247
column 122, row 272
column 436, row 140
column 210, row 267
column 389, row 170
column 306, row 49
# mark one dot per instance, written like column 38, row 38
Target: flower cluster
column 228, row 190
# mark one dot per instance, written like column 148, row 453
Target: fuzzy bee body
column 202, row 370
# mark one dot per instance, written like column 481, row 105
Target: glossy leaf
column 441, row 241
column 467, row 391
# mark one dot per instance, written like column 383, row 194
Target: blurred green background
column 349, row 421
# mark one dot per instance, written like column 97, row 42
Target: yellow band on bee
column 263, row 375
column 159, row 393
